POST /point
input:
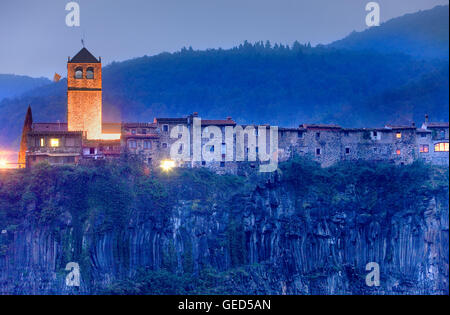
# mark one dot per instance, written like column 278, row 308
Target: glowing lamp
column 167, row 165
column 3, row 164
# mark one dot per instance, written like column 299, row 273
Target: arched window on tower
column 90, row 73
column 79, row 73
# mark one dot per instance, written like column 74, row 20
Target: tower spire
column 27, row 126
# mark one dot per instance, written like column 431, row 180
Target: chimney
column 228, row 118
column 426, row 119
column 195, row 114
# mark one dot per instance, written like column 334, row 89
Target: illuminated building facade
column 86, row 137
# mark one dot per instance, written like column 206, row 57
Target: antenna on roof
column 82, row 42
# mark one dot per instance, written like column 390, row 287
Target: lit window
column 441, row 147
column 54, row 143
column 424, row 148
column 398, row 152
column 398, row 135
column 42, row 143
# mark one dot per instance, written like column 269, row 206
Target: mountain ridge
column 422, row 34
column 12, row 85
column 258, row 83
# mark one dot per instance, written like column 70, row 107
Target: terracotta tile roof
column 139, row 125
column 364, row 129
column 56, row 132
column 437, row 125
column 218, row 122
column 320, row 126
column 49, row 127
column 290, row 129
column 171, row 120
column 400, row 127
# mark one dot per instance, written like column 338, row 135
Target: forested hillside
column 14, row 85
column 423, row 34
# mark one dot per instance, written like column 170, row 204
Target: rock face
column 269, row 241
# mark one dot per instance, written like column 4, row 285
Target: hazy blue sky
column 34, row 39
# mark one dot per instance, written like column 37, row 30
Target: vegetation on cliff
column 116, row 196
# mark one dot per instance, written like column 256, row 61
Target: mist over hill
column 423, row 34
column 265, row 83
column 14, row 85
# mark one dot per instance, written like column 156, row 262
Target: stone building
column 432, row 142
column 222, row 144
column 51, row 142
column 141, row 139
column 84, row 94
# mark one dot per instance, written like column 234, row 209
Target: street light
column 167, row 165
column 3, row 164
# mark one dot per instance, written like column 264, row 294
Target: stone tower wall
column 84, row 100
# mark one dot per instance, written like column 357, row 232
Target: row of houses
column 326, row 144
column 221, row 144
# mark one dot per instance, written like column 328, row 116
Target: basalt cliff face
column 303, row 230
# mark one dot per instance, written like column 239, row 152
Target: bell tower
column 84, row 94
